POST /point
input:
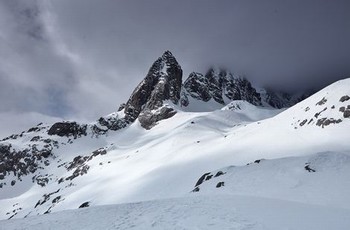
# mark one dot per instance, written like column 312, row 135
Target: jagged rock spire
column 220, row 85
column 163, row 82
column 197, row 86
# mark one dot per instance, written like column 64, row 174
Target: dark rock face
column 198, row 87
column 346, row 114
column 345, row 109
column 327, row 121
column 308, row 168
column 79, row 164
column 201, row 179
column 110, row 123
column 219, row 173
column 45, row 198
column 322, row 101
column 149, row 118
column 215, row 85
column 85, row 205
column 163, row 82
column 24, row 161
column 344, row 98
column 208, row 176
column 303, row 122
column 220, row 184
column 67, row 129
column 219, row 85
column 241, row 89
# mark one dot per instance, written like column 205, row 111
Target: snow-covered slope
column 121, row 166
column 134, row 164
column 319, row 179
column 200, row 212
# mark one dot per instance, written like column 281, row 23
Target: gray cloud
column 280, row 43
column 83, row 58
column 31, row 73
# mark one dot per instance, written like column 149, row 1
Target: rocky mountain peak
column 221, row 86
column 163, row 82
column 169, row 58
column 152, row 100
column 197, row 86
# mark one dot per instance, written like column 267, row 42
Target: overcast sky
column 80, row 59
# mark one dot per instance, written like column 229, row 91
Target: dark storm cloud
column 28, row 67
column 286, row 44
column 84, row 57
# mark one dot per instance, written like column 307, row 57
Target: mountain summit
column 162, row 88
column 161, row 91
column 163, row 82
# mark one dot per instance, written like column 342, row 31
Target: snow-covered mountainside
column 210, row 141
column 196, row 212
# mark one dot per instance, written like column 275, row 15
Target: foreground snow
column 198, row 212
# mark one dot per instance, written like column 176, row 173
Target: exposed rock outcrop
column 67, row 129
column 21, row 162
column 197, row 87
column 163, row 82
column 221, row 86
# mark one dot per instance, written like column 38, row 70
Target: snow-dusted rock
column 221, row 86
column 163, row 82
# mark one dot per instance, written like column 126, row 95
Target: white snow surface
column 146, row 178
column 200, row 212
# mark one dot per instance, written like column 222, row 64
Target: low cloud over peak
column 83, row 58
